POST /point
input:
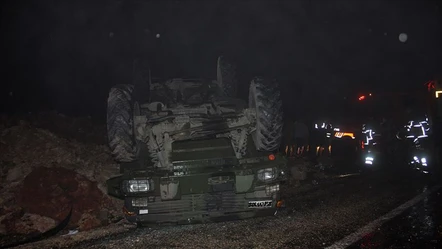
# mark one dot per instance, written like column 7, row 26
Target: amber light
column 279, row 204
column 272, row 157
column 345, row 134
column 127, row 212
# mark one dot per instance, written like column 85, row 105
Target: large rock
column 50, row 192
column 34, row 223
column 49, row 163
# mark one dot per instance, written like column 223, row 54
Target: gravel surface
column 316, row 216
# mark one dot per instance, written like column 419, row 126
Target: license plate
column 144, row 211
column 260, row 204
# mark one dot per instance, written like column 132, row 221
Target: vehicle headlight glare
column 266, row 174
column 137, row 186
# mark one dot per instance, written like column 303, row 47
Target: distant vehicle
column 337, row 138
column 191, row 151
column 337, row 143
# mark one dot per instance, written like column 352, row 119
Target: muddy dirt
column 43, row 173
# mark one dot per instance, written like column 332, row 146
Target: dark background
column 65, row 55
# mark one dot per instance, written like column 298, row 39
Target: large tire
column 226, row 77
column 265, row 98
column 120, row 124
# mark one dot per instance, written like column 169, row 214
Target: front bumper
column 203, row 208
column 236, row 192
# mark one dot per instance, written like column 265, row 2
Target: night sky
column 65, row 55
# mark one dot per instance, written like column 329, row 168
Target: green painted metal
column 208, row 183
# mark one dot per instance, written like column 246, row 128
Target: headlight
column 267, row 174
column 137, row 186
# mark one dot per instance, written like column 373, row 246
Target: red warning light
column 430, row 85
column 361, row 97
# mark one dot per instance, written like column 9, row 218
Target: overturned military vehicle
column 190, row 151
